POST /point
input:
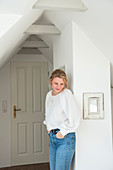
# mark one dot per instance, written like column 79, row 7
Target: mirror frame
column 88, row 112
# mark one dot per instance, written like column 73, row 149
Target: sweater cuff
column 44, row 122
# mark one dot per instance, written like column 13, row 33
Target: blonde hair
column 58, row 73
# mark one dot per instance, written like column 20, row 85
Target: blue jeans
column 61, row 151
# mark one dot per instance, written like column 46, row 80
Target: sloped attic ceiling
column 12, row 6
column 7, row 21
column 16, row 6
column 16, row 17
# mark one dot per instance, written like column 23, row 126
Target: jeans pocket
column 71, row 141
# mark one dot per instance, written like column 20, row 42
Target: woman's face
column 57, row 85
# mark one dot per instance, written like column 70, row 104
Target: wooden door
column 29, row 85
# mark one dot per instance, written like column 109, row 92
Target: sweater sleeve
column 71, row 111
column 45, row 120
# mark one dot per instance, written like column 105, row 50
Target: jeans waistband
column 55, row 131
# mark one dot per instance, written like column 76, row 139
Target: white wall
column 62, row 52
column 92, row 74
column 5, row 118
column 112, row 113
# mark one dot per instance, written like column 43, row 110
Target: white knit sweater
column 62, row 111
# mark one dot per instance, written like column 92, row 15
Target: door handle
column 14, row 111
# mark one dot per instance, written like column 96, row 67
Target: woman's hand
column 59, row 135
column 49, row 131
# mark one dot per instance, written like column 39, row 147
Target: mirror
column 93, row 105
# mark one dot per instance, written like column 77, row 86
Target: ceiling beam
column 75, row 5
column 25, row 50
column 38, row 44
column 43, row 30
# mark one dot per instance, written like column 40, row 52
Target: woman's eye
column 60, row 84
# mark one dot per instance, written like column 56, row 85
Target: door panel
column 21, row 88
column 29, row 85
column 36, row 89
column 37, row 129
column 22, row 138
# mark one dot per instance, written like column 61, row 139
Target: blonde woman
column 62, row 118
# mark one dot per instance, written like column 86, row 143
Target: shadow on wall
column 112, row 113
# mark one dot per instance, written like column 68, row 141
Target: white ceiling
column 16, row 6
column 7, row 21
column 76, row 5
